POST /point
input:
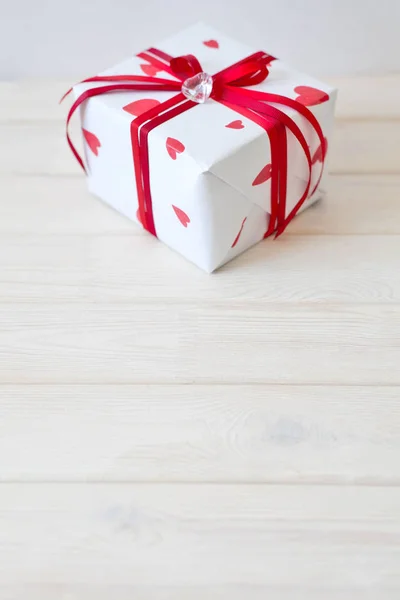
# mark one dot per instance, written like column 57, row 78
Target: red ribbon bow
column 229, row 88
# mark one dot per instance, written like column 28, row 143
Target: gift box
column 209, row 144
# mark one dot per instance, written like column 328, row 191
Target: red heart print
column 182, row 216
column 138, row 107
column 320, row 152
column 240, row 231
column 235, row 124
column 174, row 147
column 139, row 218
column 150, row 70
column 263, row 175
column 317, row 156
column 310, row 96
column 211, row 44
column 92, row 141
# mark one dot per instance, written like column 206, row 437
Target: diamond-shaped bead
column 198, row 88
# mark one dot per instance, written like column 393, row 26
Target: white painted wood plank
column 359, row 97
column 368, row 97
column 40, row 148
column 245, row 433
column 36, row 148
column 355, row 204
column 206, row 342
column 365, row 147
column 340, row 542
column 362, row 204
column 33, row 100
column 97, row 269
column 60, row 205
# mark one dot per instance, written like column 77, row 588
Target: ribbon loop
column 248, row 73
column 185, row 66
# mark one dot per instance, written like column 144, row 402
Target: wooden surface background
column 169, row 435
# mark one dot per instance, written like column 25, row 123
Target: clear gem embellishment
column 198, row 88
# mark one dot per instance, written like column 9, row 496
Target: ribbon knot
column 229, row 87
column 250, row 71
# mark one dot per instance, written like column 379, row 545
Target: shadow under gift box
column 210, row 174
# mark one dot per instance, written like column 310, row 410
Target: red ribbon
column 229, row 88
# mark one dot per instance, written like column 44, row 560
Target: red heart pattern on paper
column 238, row 124
column 174, row 147
column 211, row 44
column 309, row 96
column 150, row 70
column 239, row 234
column 138, row 107
column 263, row 175
column 92, row 141
column 320, row 152
column 182, row 216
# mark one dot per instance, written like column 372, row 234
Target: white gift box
column 209, row 166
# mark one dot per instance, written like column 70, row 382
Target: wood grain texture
column 357, row 147
column 249, row 341
column 373, row 98
column 107, row 268
column 365, row 147
column 219, row 433
column 119, row 536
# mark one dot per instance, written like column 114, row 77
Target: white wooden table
column 168, row 435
